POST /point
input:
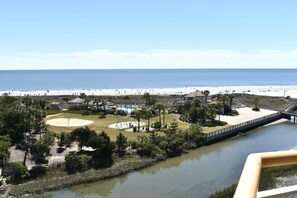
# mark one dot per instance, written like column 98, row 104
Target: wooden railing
column 248, row 184
column 291, row 107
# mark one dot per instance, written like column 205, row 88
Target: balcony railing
column 248, row 184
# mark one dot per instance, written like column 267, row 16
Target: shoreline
column 277, row 91
column 37, row 187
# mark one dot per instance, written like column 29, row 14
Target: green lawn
column 102, row 124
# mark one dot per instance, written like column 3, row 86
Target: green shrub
column 111, row 111
column 48, row 139
column 234, row 112
column 227, row 109
column 133, row 144
column 120, row 112
column 184, row 118
column 157, row 125
column 134, row 129
column 102, row 115
column 37, row 171
column 39, row 152
column 99, row 161
column 174, row 146
column 255, row 109
column 86, row 112
column 150, row 150
column 77, row 163
column 214, row 123
column 20, row 173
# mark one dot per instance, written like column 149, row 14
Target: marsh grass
column 267, row 181
column 269, row 176
column 42, row 185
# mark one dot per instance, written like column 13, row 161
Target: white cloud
column 107, row 59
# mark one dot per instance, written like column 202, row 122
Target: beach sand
column 282, row 91
column 245, row 114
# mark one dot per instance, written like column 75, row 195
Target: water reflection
column 104, row 187
column 195, row 174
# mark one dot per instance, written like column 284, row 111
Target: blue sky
column 168, row 33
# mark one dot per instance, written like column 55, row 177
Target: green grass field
column 102, row 124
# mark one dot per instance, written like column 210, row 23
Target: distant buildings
column 57, row 106
column 77, row 104
column 189, row 98
column 195, row 95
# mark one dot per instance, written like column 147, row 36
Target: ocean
column 30, row 80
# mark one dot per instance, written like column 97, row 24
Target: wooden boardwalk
column 288, row 113
column 241, row 128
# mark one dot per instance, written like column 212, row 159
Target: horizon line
column 213, row 68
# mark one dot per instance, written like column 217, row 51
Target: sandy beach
column 256, row 90
column 245, row 114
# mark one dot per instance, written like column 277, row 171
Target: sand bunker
column 125, row 125
column 68, row 122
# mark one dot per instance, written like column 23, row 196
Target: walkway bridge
column 234, row 130
column 291, row 111
column 216, row 136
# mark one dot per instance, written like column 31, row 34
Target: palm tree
column 164, row 112
column 142, row 139
column 256, row 100
column 82, row 95
column 38, row 116
column 206, row 93
column 148, row 116
column 103, row 103
column 137, row 114
column 223, row 98
column 159, row 108
column 87, row 100
column 97, row 100
column 220, row 105
column 202, row 114
column 231, row 97
column 212, row 113
column 28, row 102
column 26, row 147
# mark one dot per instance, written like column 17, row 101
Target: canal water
column 196, row 174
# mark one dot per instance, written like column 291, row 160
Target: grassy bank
column 56, row 183
column 265, row 102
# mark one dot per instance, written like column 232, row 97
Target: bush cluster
column 77, row 163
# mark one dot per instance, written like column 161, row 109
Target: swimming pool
column 127, row 109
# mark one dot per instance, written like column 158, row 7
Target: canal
column 198, row 173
